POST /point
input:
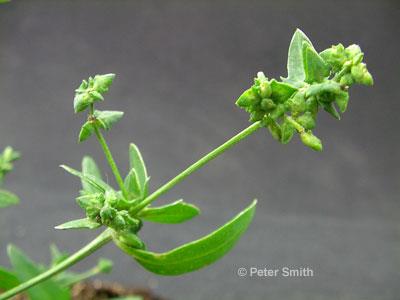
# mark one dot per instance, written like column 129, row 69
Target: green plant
column 285, row 107
column 7, row 157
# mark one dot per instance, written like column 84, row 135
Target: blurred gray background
column 180, row 66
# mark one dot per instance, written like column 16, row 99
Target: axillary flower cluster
column 314, row 80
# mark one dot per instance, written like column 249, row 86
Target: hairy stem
column 97, row 243
column 197, row 165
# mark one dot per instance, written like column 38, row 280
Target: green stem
column 97, row 243
column 197, row 165
column 106, row 236
column 111, row 161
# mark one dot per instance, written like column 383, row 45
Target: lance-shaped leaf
column 136, row 162
column 79, row 224
column 8, row 280
column 295, row 64
column 98, row 184
column 89, row 167
column 176, row 212
column 26, row 269
column 132, row 184
column 315, row 68
column 106, row 118
column 7, row 198
column 197, row 254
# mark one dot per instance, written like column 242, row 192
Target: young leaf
column 89, row 167
column 136, row 162
column 25, row 269
column 7, row 279
column 96, row 183
column 79, row 224
column 197, row 254
column 87, row 130
column 7, row 198
column 132, row 184
column 176, row 212
column 107, row 119
column 315, row 68
column 295, row 64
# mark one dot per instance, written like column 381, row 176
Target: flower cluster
column 314, row 81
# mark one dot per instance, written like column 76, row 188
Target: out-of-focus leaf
column 8, row 280
column 26, row 269
column 7, row 198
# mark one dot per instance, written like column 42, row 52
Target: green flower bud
column 297, row 103
column 248, row 98
column 118, row 222
column 311, row 140
column 105, row 265
column 107, row 214
column 256, row 116
column 353, row 51
column 307, row 120
column 342, row 100
column 361, row 74
column 312, row 105
column 267, row 104
column 274, row 128
column 131, row 240
column 346, row 80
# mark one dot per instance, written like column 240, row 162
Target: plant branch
column 110, row 160
column 197, row 165
column 97, row 243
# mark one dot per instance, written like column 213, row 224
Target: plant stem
column 111, row 161
column 106, row 236
column 97, row 243
column 197, row 165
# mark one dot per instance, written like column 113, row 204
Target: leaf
column 7, row 198
column 176, row 212
column 136, row 162
column 342, row 99
column 106, row 118
column 26, row 269
column 96, row 183
column 56, row 255
column 281, row 91
column 197, row 254
column 87, row 130
column 315, row 68
column 7, row 280
column 295, row 63
column 79, row 224
column 89, row 167
column 132, row 184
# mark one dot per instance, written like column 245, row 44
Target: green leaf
column 132, row 184
column 90, row 168
column 7, row 280
column 281, row 91
column 295, row 63
column 87, row 130
column 311, row 141
column 26, row 269
column 342, row 99
column 176, row 212
column 136, row 162
column 197, row 254
column 7, row 198
column 79, row 224
column 106, row 119
column 315, row 68
column 287, row 132
column 98, row 184
column 101, row 83
column 56, row 255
